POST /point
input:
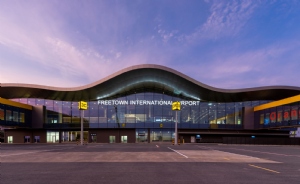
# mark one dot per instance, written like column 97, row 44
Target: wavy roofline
column 146, row 78
column 146, row 66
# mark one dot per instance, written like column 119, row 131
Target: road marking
column 266, row 152
column 178, row 153
column 157, row 146
column 263, row 168
column 33, row 152
column 206, row 147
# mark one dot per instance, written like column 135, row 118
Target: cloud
column 226, row 18
column 232, row 68
column 71, row 49
column 46, row 44
column 165, row 35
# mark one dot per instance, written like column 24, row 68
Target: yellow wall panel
column 278, row 103
column 15, row 104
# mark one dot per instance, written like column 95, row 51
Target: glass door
column 9, row 139
column 26, row 139
column 93, row 138
column 112, row 139
column 124, row 139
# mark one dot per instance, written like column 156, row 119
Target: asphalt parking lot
column 149, row 163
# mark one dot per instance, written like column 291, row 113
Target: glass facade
column 14, row 116
column 143, row 110
column 286, row 115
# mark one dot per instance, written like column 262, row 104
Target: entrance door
column 53, row 139
column 94, row 138
column 26, row 139
column 193, row 139
column 124, row 139
column 9, row 139
column 112, row 139
column 36, row 139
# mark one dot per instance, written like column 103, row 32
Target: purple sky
column 225, row 44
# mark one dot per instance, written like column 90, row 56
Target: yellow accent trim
column 278, row 103
column 264, row 168
column 15, row 104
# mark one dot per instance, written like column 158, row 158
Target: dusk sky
column 225, row 44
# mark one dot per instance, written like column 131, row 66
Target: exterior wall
column 15, row 115
column 281, row 116
column 248, row 118
column 19, row 135
column 38, row 116
column 103, row 135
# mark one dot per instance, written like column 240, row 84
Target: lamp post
column 176, row 107
column 82, row 106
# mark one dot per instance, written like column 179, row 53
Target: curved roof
column 146, row 78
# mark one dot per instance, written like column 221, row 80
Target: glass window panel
column 49, row 104
column 111, row 114
column 255, row 103
column 75, row 112
column 195, row 114
column 15, row 116
column 57, row 108
column 273, row 116
column 22, row 117
column 203, row 113
column 247, row 104
column 267, row 118
column 230, row 113
column 262, row 118
column 1, row 114
column 157, row 109
column 23, row 100
column 185, row 114
column 8, row 115
column 40, row 102
column 31, row 101
column 221, row 115
column 66, row 112
column 212, row 108
column 286, row 113
column 102, row 113
column 294, row 113
column 92, row 112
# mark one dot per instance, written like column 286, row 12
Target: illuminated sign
column 145, row 102
column 286, row 115
column 82, row 105
column 176, row 106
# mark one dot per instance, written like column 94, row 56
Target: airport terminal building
column 134, row 105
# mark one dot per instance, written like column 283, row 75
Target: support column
column 81, row 130
column 176, row 134
column 148, row 136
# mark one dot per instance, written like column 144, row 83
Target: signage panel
column 82, row 105
column 176, row 106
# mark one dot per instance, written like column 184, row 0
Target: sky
column 225, row 44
